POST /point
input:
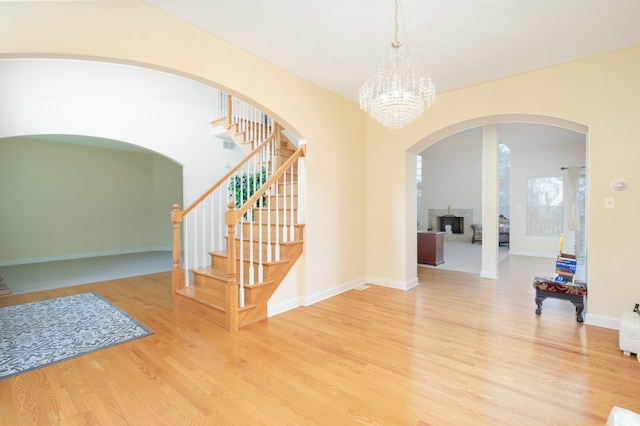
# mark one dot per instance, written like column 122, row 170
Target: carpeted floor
column 4, row 289
column 465, row 257
column 47, row 275
column 41, row 333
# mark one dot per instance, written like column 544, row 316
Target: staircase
column 235, row 244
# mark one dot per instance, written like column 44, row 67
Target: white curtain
column 572, row 197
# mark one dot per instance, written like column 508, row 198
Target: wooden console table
column 430, row 248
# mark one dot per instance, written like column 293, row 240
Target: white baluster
column 291, row 226
column 268, row 209
column 212, row 224
column 204, row 234
column 220, row 216
column 241, row 267
column 252, row 184
column 301, row 188
column 259, row 211
column 195, row 238
column 284, row 209
column 260, row 248
column 251, row 267
column 186, row 250
column 277, row 209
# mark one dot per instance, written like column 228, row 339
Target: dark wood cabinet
column 430, row 248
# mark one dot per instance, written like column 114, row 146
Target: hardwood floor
column 456, row 349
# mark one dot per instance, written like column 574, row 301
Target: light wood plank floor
column 456, row 350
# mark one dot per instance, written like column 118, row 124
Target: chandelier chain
column 396, row 43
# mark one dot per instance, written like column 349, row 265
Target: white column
column 489, row 202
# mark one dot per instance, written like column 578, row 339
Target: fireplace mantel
column 467, row 220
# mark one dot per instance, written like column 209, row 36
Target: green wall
column 62, row 200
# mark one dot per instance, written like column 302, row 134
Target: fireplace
column 465, row 232
column 456, row 223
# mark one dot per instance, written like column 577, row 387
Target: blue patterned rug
column 37, row 334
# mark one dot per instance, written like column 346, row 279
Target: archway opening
column 453, row 181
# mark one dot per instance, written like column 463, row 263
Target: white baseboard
column 490, row 275
column 532, row 254
column 398, row 285
column 80, row 256
column 282, row 307
column 326, row 294
column 279, row 308
column 296, row 302
column 287, row 305
column 604, row 322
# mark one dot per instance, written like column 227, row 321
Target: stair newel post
column 176, row 272
column 276, row 129
column 231, row 289
column 229, row 111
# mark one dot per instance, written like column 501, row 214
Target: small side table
column 431, row 248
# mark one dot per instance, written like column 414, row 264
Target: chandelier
column 396, row 95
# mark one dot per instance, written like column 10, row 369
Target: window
column 581, row 244
column 504, row 180
column 544, row 206
column 419, row 183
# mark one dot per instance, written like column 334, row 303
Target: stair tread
column 256, row 260
column 208, row 271
column 207, row 297
column 247, row 239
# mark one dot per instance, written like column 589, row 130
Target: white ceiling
column 339, row 43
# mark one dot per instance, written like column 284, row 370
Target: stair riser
column 211, row 282
column 283, row 200
column 288, row 187
column 219, row 268
column 281, row 214
column 246, row 227
column 257, row 248
column 215, row 289
column 281, row 246
column 216, row 316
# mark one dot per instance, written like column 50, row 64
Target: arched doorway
column 131, row 130
column 553, row 139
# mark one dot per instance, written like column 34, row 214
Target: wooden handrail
column 273, row 179
column 227, row 176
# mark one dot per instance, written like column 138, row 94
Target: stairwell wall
column 133, row 33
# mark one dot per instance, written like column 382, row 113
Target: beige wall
column 600, row 93
column 359, row 182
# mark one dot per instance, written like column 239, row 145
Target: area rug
column 37, row 334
